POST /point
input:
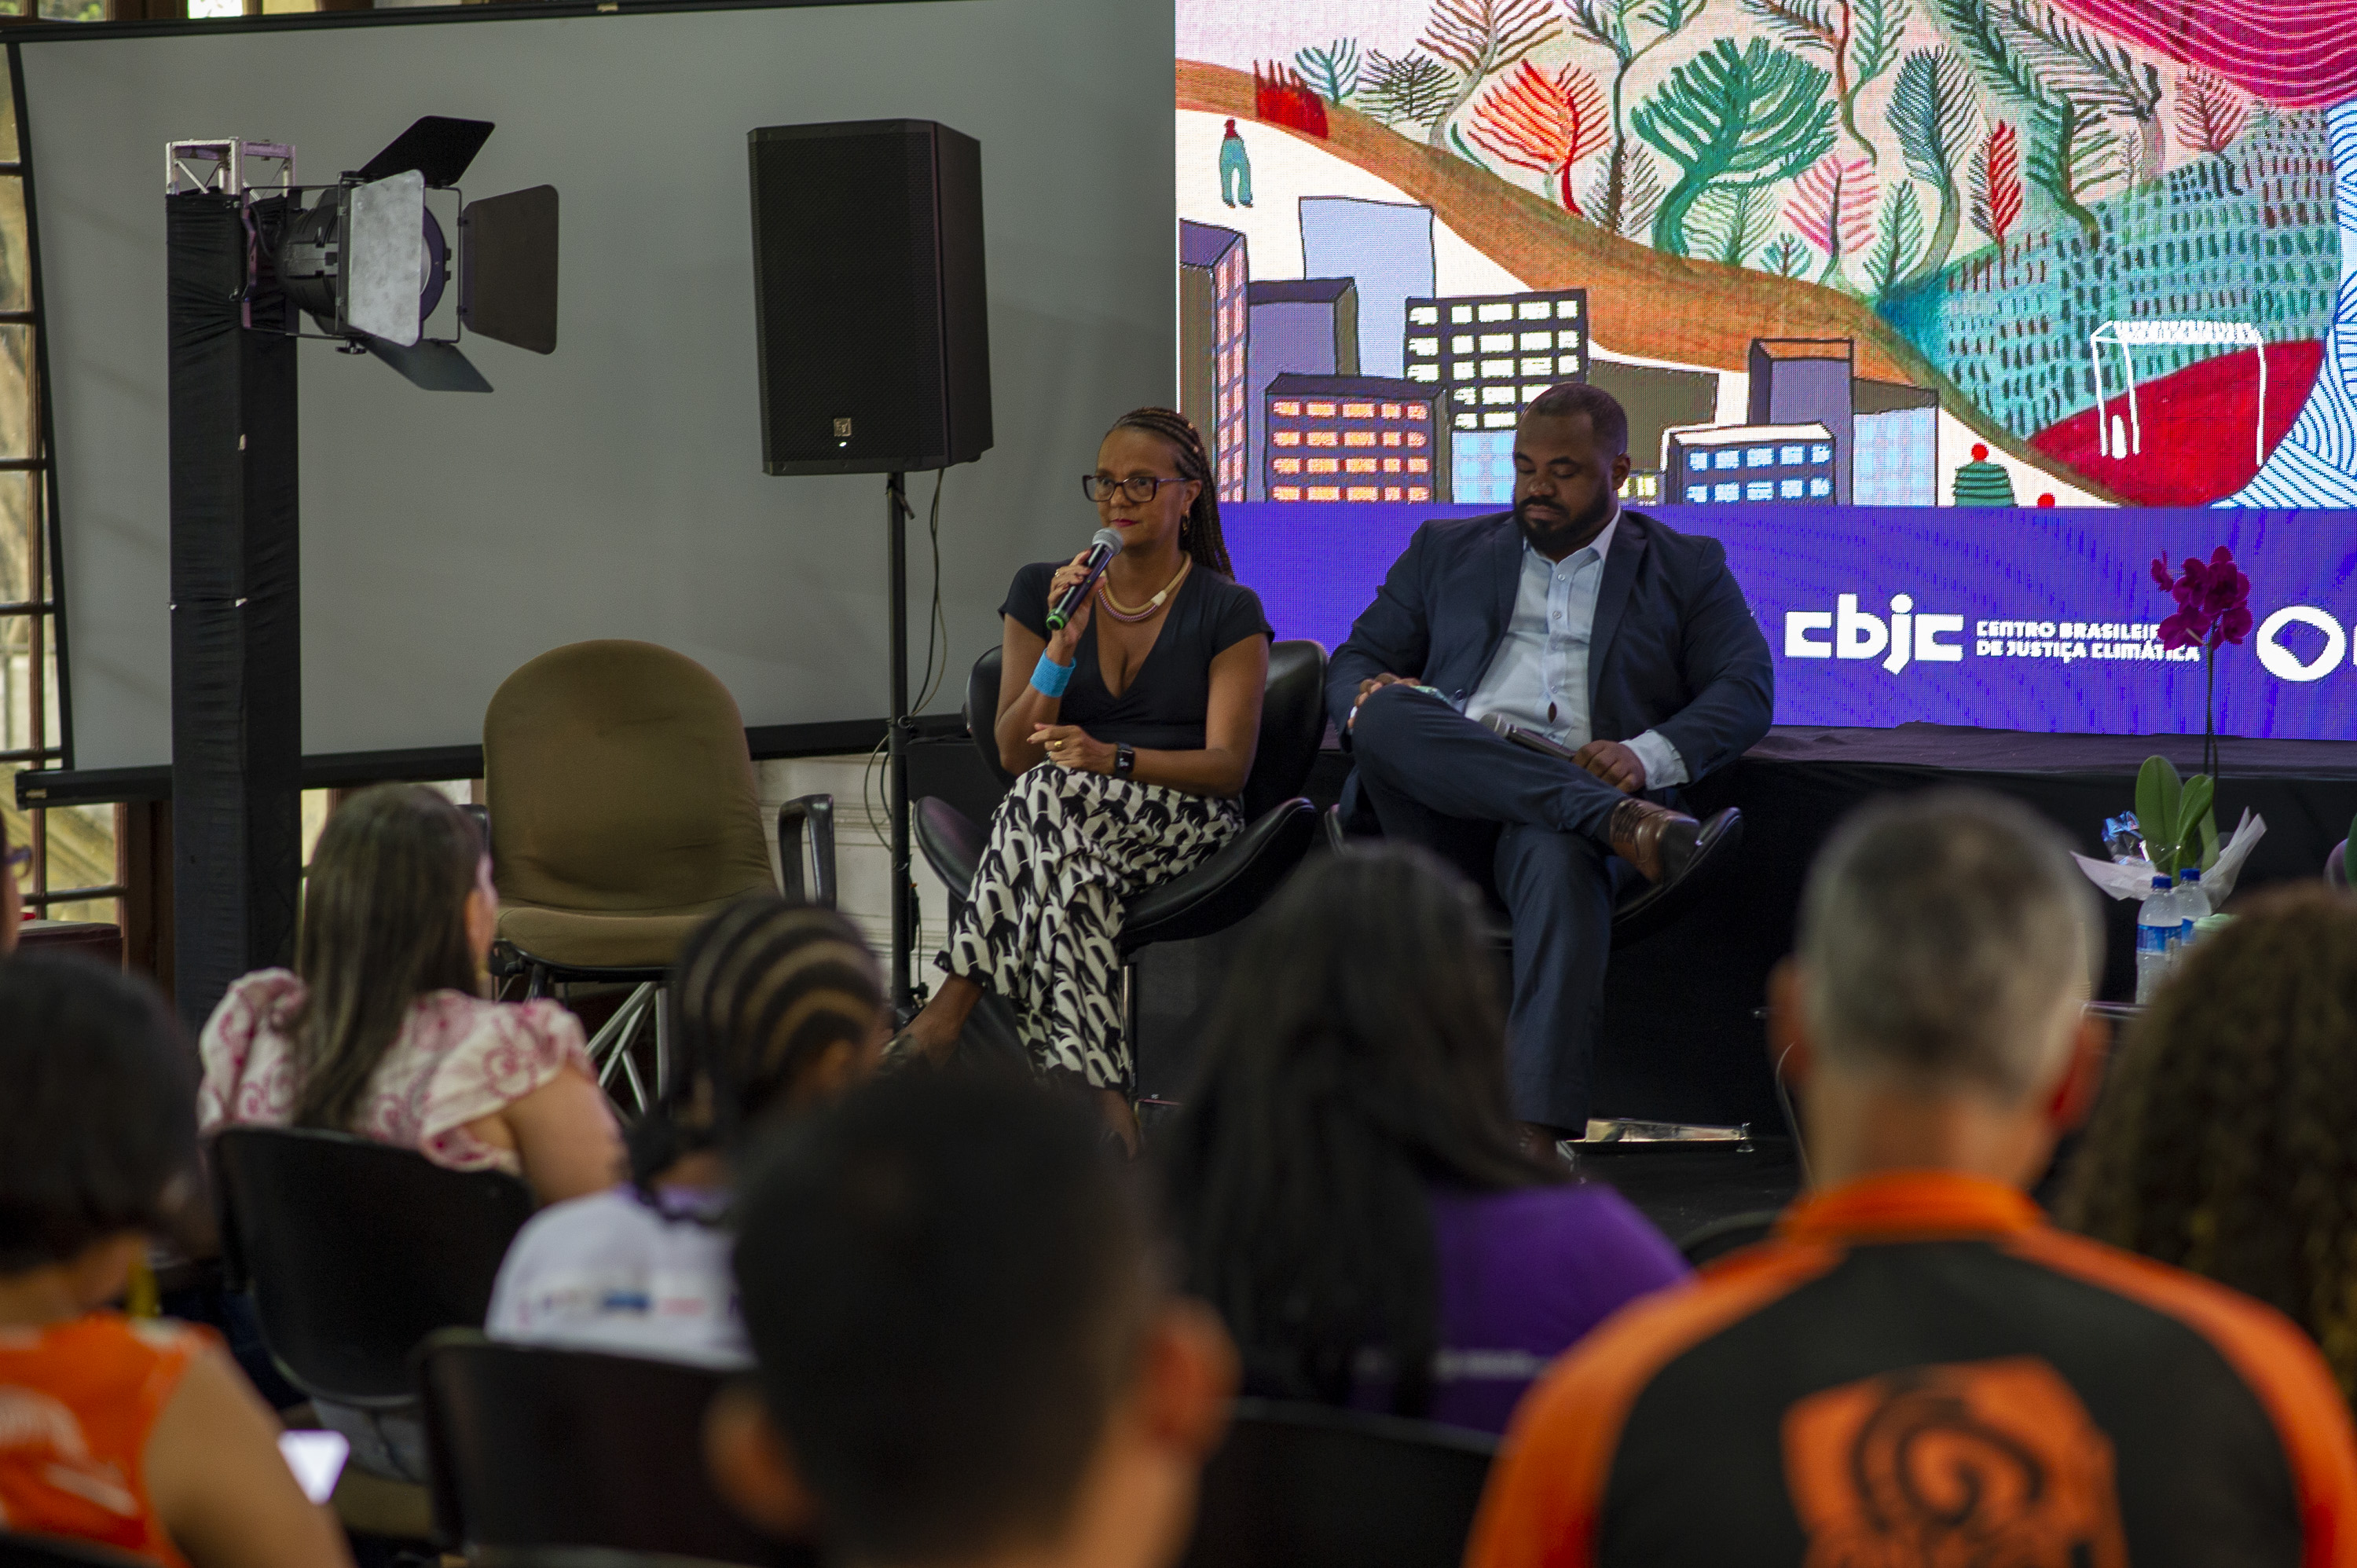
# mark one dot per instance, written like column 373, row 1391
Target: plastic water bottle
column 2156, row 932
column 2192, row 905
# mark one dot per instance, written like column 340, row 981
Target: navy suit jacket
column 1673, row 647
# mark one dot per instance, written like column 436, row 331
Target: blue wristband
column 1049, row 678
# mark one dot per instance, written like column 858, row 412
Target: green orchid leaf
column 2209, row 841
column 2157, row 793
column 2193, row 804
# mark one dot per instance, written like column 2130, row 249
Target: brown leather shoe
column 1655, row 840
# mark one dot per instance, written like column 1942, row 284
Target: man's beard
column 1543, row 531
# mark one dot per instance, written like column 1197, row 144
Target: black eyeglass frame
column 1153, row 483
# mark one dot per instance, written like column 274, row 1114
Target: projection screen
column 612, row 489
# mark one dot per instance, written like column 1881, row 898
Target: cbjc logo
column 1908, row 635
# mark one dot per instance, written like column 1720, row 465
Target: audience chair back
column 356, row 1251
column 623, row 807
column 533, row 1448
column 1308, row 1486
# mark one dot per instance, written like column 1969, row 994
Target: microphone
column 1102, row 547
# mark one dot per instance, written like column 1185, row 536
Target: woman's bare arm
column 565, row 1137
column 220, row 1486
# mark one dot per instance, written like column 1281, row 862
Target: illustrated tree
column 1729, row 222
column 1860, row 39
column 1624, row 193
column 1332, row 72
column 2073, row 154
column 1544, row 122
column 1832, row 208
column 2210, row 114
column 1723, row 117
column 1410, row 89
column 1996, row 184
column 1898, row 240
column 1787, row 258
column 1934, row 114
column 1477, row 38
column 2092, row 72
column 1629, row 193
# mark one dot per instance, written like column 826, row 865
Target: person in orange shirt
column 1917, row 1368
column 142, row 1435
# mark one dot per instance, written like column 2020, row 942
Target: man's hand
column 1614, row 763
column 1369, row 687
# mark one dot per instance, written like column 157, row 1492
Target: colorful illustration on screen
column 1899, row 253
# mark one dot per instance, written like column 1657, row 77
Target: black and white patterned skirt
column 1042, row 922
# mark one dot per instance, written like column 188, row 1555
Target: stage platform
column 1680, row 1041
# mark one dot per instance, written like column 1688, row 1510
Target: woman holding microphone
column 1131, row 730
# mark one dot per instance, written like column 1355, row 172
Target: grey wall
column 613, row 488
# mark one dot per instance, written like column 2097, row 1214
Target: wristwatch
column 1125, row 760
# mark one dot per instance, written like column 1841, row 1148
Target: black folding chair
column 1301, row 1485
column 544, row 1457
column 354, row 1252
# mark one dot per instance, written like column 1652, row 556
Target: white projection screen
column 612, row 489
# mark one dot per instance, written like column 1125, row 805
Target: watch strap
column 1125, row 760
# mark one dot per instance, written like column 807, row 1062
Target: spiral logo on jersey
column 1944, row 1466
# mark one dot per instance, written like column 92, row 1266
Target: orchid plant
column 2213, row 609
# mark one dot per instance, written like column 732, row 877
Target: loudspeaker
column 870, row 309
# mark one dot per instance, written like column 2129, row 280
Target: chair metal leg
column 610, row 1048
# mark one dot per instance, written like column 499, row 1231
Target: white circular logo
column 2282, row 663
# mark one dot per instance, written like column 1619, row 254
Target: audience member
column 141, row 1436
column 1349, row 1181
column 969, row 1352
column 2223, row 1141
column 1916, row 1367
column 776, row 1006
column 381, row 1029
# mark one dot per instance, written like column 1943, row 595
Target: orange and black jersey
column 1917, row 1370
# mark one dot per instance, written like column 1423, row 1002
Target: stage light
column 369, row 263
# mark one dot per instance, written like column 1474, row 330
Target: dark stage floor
column 1683, row 1187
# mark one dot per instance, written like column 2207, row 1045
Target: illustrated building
column 1302, row 327
column 1719, row 465
column 1896, row 460
column 1354, row 438
column 1656, row 399
column 1487, row 355
column 1384, row 246
column 1806, row 381
column 1214, row 330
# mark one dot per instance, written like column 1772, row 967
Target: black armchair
column 1279, row 825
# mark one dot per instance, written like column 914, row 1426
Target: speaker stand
column 903, row 888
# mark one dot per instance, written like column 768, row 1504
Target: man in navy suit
column 1625, row 645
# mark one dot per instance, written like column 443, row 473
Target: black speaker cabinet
column 868, row 296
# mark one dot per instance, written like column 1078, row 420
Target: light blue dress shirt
column 1538, row 678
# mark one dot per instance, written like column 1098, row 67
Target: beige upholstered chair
column 623, row 813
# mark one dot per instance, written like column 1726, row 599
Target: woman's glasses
column 1138, row 487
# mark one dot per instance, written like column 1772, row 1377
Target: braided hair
column 2223, row 1144
column 1199, row 533
column 759, row 993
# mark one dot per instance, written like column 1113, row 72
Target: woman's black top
column 1163, row 707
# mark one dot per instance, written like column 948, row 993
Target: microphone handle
column 1060, row 614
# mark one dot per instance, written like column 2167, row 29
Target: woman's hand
column 1071, row 747
column 1063, row 643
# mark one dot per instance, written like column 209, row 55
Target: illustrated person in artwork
column 1235, row 169
column 1131, row 730
column 1626, row 645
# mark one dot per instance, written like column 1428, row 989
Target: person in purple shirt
column 1347, row 1181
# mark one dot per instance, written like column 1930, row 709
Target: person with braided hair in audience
column 2221, row 1143
column 777, row 1006
column 1131, row 730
